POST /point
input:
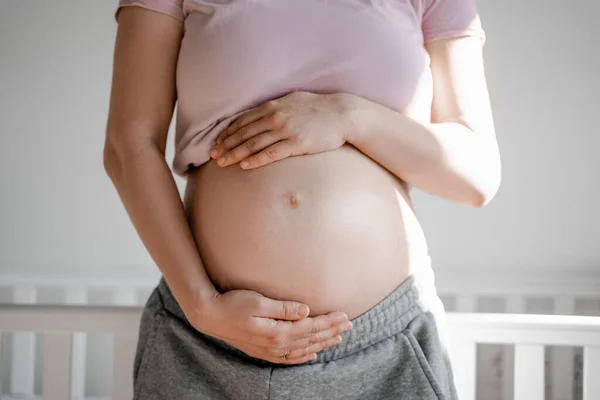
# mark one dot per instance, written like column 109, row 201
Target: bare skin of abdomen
column 333, row 230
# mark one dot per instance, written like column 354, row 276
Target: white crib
column 63, row 344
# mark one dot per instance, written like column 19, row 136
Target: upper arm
column 454, row 39
column 143, row 91
column 460, row 92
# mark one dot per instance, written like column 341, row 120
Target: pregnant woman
column 294, row 267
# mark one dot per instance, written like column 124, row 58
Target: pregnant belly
column 334, row 230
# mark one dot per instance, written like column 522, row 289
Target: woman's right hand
column 267, row 329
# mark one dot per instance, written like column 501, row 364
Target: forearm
column 150, row 196
column 447, row 160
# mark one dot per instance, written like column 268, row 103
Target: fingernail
column 221, row 160
column 302, row 311
column 347, row 326
column 214, row 152
column 244, row 164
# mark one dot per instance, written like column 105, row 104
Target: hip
column 397, row 349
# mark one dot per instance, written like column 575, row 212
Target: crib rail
column 500, row 369
column 59, row 324
column 529, row 334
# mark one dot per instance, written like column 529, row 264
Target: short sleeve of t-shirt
column 174, row 8
column 448, row 18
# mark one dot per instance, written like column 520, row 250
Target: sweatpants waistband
column 387, row 318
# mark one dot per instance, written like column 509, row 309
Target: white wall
column 59, row 210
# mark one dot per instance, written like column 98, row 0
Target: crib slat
column 57, row 366
column 124, row 352
column 529, row 372
column 78, row 296
column 515, row 304
column 563, row 358
column 124, row 297
column 23, row 348
column 466, row 303
column 464, row 361
column 23, row 363
column 591, row 366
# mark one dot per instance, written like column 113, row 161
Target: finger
column 248, row 148
column 314, row 348
column 268, row 123
column 301, row 360
column 311, row 326
column 239, row 136
column 297, row 352
column 278, row 340
column 275, row 152
column 278, row 333
column 267, row 354
column 241, row 121
column 286, row 310
column 319, row 337
column 245, row 119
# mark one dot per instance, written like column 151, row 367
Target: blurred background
column 61, row 219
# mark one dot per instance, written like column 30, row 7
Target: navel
column 292, row 199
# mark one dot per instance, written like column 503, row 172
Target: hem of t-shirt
column 457, row 33
column 173, row 10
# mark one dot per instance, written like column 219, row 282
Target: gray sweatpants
column 394, row 351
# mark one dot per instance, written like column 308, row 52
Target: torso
column 333, row 230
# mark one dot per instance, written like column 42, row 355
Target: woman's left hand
column 296, row 124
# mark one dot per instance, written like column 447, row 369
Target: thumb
column 289, row 310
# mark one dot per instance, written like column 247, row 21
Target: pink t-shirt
column 237, row 54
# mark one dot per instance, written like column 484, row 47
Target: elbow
column 118, row 154
column 484, row 193
column 482, row 199
column 486, row 182
column 111, row 161
column 121, row 155
column 108, row 159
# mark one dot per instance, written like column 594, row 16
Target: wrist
column 194, row 299
column 352, row 110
